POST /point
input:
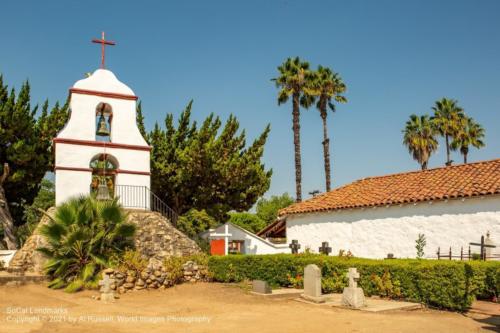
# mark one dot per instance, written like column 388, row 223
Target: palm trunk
column 296, row 142
column 448, row 162
column 5, row 217
column 326, row 150
column 465, row 158
column 424, row 165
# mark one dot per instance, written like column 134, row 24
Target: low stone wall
column 159, row 278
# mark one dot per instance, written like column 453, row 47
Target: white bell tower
column 101, row 143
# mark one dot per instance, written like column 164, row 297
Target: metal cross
column 483, row 247
column 295, row 246
column 325, row 249
column 103, row 43
column 106, row 283
column 353, row 276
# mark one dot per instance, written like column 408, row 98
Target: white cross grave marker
column 106, row 283
column 353, row 276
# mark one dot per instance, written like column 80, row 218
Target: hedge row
column 443, row 284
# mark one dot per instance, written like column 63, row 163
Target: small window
column 236, row 247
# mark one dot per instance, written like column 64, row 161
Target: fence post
column 461, row 253
column 469, row 252
column 450, row 252
column 438, row 253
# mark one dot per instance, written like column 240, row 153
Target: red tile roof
column 458, row 181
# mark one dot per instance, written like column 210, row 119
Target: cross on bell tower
column 103, row 43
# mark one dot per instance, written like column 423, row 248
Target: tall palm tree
column 447, row 119
column 419, row 137
column 469, row 134
column 294, row 81
column 328, row 86
column 82, row 237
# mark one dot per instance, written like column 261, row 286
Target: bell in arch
column 102, row 190
column 102, row 128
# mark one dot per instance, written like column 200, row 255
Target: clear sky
column 396, row 57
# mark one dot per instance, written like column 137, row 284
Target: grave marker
column 325, row 249
column 353, row 296
column 295, row 246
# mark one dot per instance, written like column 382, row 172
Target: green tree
column 419, row 138
column 247, row 221
column 140, row 121
column 195, row 222
column 206, row 167
column 26, row 145
column 470, row 133
column 328, row 87
column 267, row 209
column 294, row 81
column 84, row 235
column 33, row 213
column 447, row 120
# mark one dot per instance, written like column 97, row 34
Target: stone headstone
column 107, row 294
column 353, row 295
column 261, row 287
column 312, row 281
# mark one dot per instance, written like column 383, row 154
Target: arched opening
column 103, row 119
column 104, row 168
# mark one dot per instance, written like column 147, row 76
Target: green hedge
column 444, row 284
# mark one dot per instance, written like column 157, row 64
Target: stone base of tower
column 155, row 239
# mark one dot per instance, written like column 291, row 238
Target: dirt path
column 206, row 308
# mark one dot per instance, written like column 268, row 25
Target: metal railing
column 141, row 197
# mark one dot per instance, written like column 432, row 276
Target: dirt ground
column 210, row 308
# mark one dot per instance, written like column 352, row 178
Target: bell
column 102, row 129
column 102, row 190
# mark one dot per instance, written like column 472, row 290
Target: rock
column 149, row 281
column 139, row 287
column 157, row 273
column 144, row 275
column 119, row 276
column 131, row 273
column 113, row 286
column 121, row 290
column 128, row 285
column 130, row 279
column 109, row 271
column 139, row 283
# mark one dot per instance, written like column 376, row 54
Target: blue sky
column 396, row 57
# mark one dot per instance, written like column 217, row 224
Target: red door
column 217, row 247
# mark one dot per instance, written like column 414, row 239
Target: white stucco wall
column 253, row 244
column 135, row 163
column 375, row 232
column 82, row 123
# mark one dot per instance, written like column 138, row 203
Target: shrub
column 174, row 267
column 83, row 237
column 438, row 283
column 129, row 260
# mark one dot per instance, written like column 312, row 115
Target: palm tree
column 294, row 81
column 419, row 137
column 328, row 85
column 469, row 134
column 82, row 238
column 447, row 119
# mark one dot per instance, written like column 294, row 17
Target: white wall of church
column 375, row 232
column 82, row 123
column 71, row 184
column 79, row 156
